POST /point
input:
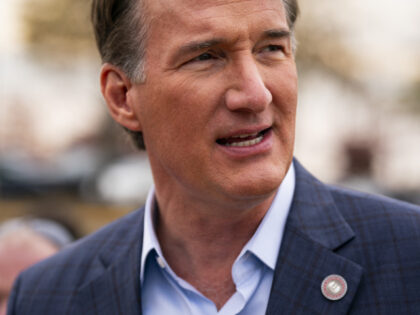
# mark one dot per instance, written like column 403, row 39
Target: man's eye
column 273, row 52
column 204, row 57
column 273, row 48
column 203, row 61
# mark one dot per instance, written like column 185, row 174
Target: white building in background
column 384, row 39
column 44, row 106
column 44, row 109
column 332, row 114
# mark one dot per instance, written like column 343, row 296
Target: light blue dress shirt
column 164, row 293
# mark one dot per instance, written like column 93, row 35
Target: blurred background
column 358, row 119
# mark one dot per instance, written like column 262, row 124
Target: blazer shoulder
column 83, row 255
column 350, row 201
column 389, row 227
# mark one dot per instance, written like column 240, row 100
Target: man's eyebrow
column 276, row 33
column 195, row 46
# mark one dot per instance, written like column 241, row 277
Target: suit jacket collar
column 315, row 214
column 314, row 230
column 116, row 289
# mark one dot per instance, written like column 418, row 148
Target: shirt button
column 160, row 262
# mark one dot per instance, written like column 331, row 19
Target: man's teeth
column 246, row 143
column 247, row 136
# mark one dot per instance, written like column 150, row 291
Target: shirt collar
column 150, row 240
column 265, row 242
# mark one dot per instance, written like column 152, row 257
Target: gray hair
column 120, row 28
column 47, row 229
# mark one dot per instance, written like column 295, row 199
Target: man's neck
column 202, row 245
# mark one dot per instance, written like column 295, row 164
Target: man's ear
column 115, row 86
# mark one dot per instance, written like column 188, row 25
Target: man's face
column 17, row 253
column 218, row 106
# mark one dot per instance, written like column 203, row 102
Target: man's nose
column 247, row 91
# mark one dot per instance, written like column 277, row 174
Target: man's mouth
column 243, row 140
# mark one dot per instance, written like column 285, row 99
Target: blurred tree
column 60, row 27
column 332, row 37
column 320, row 41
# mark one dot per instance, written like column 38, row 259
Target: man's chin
column 255, row 188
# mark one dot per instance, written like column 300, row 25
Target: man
column 24, row 242
column 233, row 224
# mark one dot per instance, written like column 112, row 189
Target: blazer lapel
column 117, row 289
column 314, row 230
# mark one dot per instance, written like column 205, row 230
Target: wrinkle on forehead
column 213, row 8
column 204, row 4
column 236, row 13
column 243, row 15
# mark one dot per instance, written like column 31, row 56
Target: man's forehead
column 172, row 7
column 171, row 18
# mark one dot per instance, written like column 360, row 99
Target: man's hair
column 120, row 28
column 53, row 231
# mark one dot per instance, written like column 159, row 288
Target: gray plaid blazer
column 373, row 242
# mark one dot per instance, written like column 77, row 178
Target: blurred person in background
column 24, row 242
column 234, row 224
